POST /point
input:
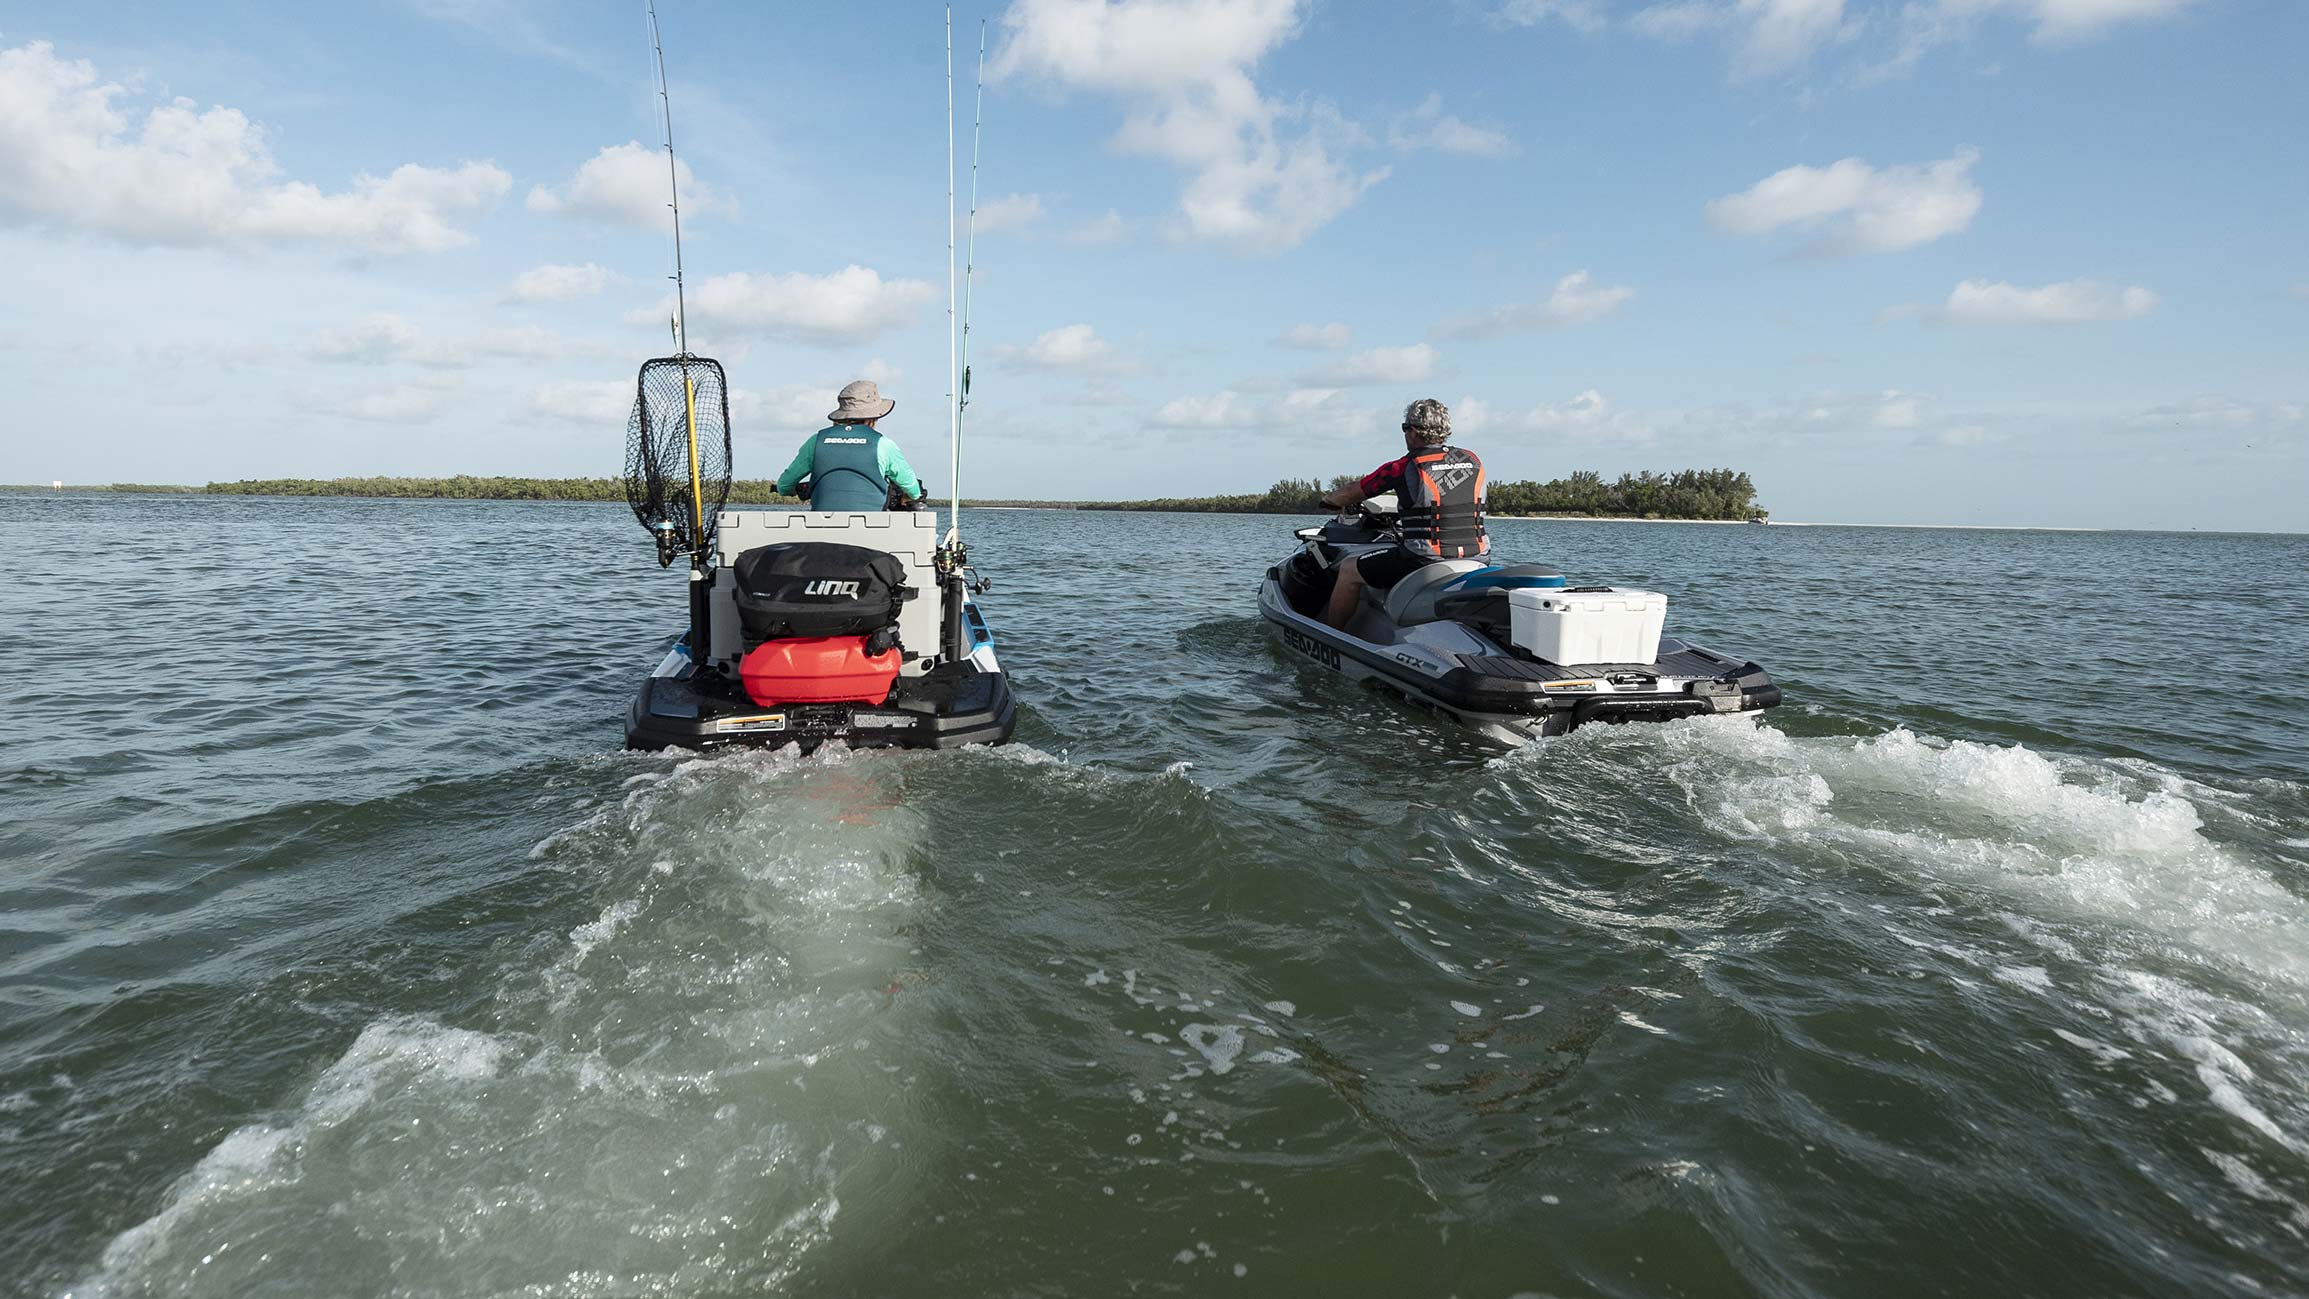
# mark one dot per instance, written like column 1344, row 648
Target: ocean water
column 342, row 953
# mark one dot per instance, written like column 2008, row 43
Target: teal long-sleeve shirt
column 887, row 458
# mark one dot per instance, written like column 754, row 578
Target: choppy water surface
column 342, row 954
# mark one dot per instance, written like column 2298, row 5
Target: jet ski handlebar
column 1370, row 521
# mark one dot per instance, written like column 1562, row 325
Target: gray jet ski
column 1510, row 650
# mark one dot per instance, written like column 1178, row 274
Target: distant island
column 462, row 487
column 1714, row 494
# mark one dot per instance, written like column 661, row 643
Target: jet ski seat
column 1412, row 600
column 1445, row 590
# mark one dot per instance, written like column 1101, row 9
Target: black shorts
column 1382, row 569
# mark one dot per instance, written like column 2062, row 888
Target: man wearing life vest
column 851, row 466
column 1439, row 494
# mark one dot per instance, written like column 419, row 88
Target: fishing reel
column 667, row 535
column 952, row 561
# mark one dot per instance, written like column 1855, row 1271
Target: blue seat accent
column 1505, row 577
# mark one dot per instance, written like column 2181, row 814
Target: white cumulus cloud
column 383, row 338
column 1379, row 365
column 1472, row 415
column 1334, row 337
column 73, row 159
column 560, row 283
column 1897, row 409
column 626, row 184
column 2070, row 19
column 1575, row 300
column 375, row 340
column 1108, row 229
column 1214, row 411
column 2067, row 303
column 398, row 404
column 851, row 305
column 1303, row 410
column 1769, row 36
column 590, row 402
column 1925, row 24
column 1587, row 417
column 1010, row 212
column 794, row 408
column 1581, row 15
column 1262, row 174
column 2070, row 302
column 1856, row 207
column 787, row 408
column 1068, row 347
column 1429, row 127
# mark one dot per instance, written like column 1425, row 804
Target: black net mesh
column 659, row 447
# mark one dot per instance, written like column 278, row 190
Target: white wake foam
column 2189, row 947
column 2079, row 840
column 670, row 1101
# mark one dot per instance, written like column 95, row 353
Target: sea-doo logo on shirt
column 845, row 442
column 1449, row 477
column 824, row 586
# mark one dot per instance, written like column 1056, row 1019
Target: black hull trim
column 948, row 709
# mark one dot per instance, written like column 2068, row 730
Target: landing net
column 677, row 452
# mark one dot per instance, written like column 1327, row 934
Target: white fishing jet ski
column 824, row 626
column 1511, row 650
column 806, row 627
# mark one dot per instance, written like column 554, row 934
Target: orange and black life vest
column 1441, row 504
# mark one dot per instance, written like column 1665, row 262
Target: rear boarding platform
column 828, row 626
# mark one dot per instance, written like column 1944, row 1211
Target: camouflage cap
column 1428, row 418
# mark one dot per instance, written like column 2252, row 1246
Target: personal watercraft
column 825, row 626
column 805, row 626
column 1510, row 650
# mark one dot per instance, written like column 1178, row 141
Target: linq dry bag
column 818, row 588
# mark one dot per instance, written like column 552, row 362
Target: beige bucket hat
column 859, row 402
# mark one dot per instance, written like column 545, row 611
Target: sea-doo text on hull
column 1487, row 644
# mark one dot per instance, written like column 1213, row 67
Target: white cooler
column 1606, row 625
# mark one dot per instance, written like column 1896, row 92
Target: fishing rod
column 969, row 265
column 677, row 441
column 673, row 185
column 953, row 359
column 680, row 301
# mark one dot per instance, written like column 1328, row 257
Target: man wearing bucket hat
column 850, row 465
column 1439, row 509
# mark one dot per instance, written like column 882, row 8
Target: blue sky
column 1967, row 261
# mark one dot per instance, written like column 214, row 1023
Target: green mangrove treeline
column 1685, row 494
column 463, row 487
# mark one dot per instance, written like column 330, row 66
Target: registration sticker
column 758, row 722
